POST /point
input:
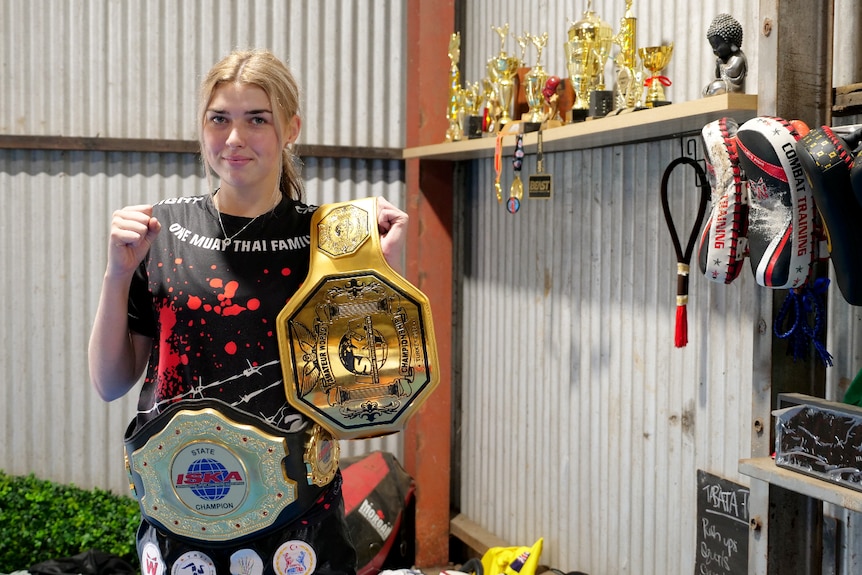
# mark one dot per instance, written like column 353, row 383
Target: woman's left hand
column 392, row 224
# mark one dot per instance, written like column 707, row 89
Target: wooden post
column 794, row 43
column 427, row 441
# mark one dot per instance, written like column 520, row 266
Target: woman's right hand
column 117, row 357
column 133, row 230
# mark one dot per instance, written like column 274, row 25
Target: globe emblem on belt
column 210, row 468
column 208, row 478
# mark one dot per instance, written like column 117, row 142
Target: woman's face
column 241, row 139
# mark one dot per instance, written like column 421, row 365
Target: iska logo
column 206, row 477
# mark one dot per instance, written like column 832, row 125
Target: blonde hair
column 263, row 69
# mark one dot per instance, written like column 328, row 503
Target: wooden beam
column 145, row 145
column 474, row 535
column 87, row 144
column 848, row 99
column 794, row 64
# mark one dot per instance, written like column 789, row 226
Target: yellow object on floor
column 512, row 560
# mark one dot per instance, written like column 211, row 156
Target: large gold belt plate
column 357, row 340
column 208, row 477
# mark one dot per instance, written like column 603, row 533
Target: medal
column 540, row 184
column 498, row 166
column 516, row 192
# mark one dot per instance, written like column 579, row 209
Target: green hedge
column 42, row 520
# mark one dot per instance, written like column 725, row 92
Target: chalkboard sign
column 722, row 526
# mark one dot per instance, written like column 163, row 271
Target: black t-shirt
column 211, row 308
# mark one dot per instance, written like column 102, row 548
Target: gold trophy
column 587, row 49
column 655, row 59
column 521, row 107
column 629, row 88
column 473, row 97
column 535, row 80
column 455, row 106
column 502, row 69
column 523, row 41
column 492, row 105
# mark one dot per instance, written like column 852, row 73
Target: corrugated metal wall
column 583, row 424
column 131, row 69
column 103, row 68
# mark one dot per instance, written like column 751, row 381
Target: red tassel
column 680, row 337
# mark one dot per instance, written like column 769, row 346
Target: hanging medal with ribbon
column 498, row 166
column 540, row 184
column 516, row 192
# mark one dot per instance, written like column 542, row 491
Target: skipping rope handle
column 683, row 258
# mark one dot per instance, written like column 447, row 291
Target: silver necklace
column 229, row 239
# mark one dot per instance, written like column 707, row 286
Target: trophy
column 502, row 70
column 655, row 59
column 492, row 105
column 523, row 41
column 535, row 81
column 551, row 93
column 521, row 106
column 473, row 96
column 629, row 88
column 587, row 49
column 455, row 106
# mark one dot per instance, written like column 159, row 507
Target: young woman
column 190, row 296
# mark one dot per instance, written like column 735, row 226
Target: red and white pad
column 723, row 243
column 780, row 203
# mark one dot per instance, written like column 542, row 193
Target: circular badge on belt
column 151, row 560
column 246, row 562
column 209, row 479
column 193, row 562
column 294, row 558
column 321, row 456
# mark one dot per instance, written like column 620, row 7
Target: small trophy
column 535, row 80
column 629, row 88
column 473, row 97
column 455, row 106
column 492, row 106
column 522, row 106
column 655, row 59
column 502, row 69
column 552, row 92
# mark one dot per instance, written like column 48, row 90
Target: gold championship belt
column 204, row 471
column 356, row 341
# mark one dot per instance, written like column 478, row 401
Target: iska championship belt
column 207, row 472
column 357, row 340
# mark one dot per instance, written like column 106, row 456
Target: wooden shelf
column 474, row 535
column 764, row 469
column 650, row 124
